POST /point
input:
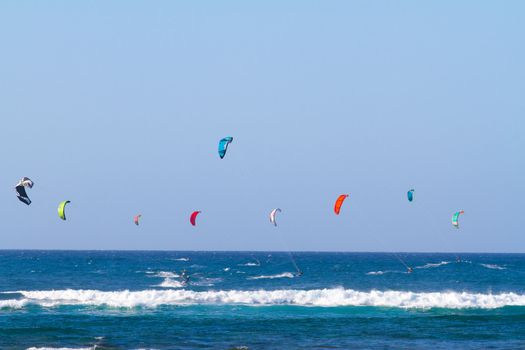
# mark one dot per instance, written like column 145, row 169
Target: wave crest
column 316, row 297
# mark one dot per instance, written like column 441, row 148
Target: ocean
column 256, row 300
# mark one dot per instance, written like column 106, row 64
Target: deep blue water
column 243, row 300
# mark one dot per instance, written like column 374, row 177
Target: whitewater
column 319, row 297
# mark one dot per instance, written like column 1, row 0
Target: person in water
column 410, row 270
column 185, row 277
column 299, row 273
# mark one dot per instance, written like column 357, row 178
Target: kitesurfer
column 185, row 277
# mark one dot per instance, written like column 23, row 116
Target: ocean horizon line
column 255, row 251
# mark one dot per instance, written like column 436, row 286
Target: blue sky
column 118, row 106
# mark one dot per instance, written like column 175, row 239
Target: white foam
column 371, row 273
column 271, row 277
column 493, row 266
column 207, row 282
column 316, row 297
column 181, row 259
column 226, row 269
column 431, row 265
column 250, row 264
column 166, row 274
column 13, row 303
column 169, row 283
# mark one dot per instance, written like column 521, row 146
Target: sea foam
column 166, row 274
column 317, row 297
column 170, row 283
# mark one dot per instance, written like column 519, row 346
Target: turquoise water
column 243, row 300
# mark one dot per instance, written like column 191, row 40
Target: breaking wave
column 316, row 297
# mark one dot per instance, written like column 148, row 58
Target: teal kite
column 455, row 218
column 410, row 195
column 223, row 145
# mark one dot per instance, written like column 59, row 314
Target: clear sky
column 118, row 106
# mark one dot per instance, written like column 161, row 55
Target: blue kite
column 223, row 145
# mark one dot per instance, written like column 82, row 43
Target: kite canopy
column 410, row 195
column 272, row 216
column 455, row 218
column 339, row 203
column 223, row 145
column 20, row 189
column 61, row 209
column 136, row 219
column 193, row 217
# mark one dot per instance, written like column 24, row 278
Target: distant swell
column 317, row 297
column 271, row 277
column 493, row 266
column 431, row 265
